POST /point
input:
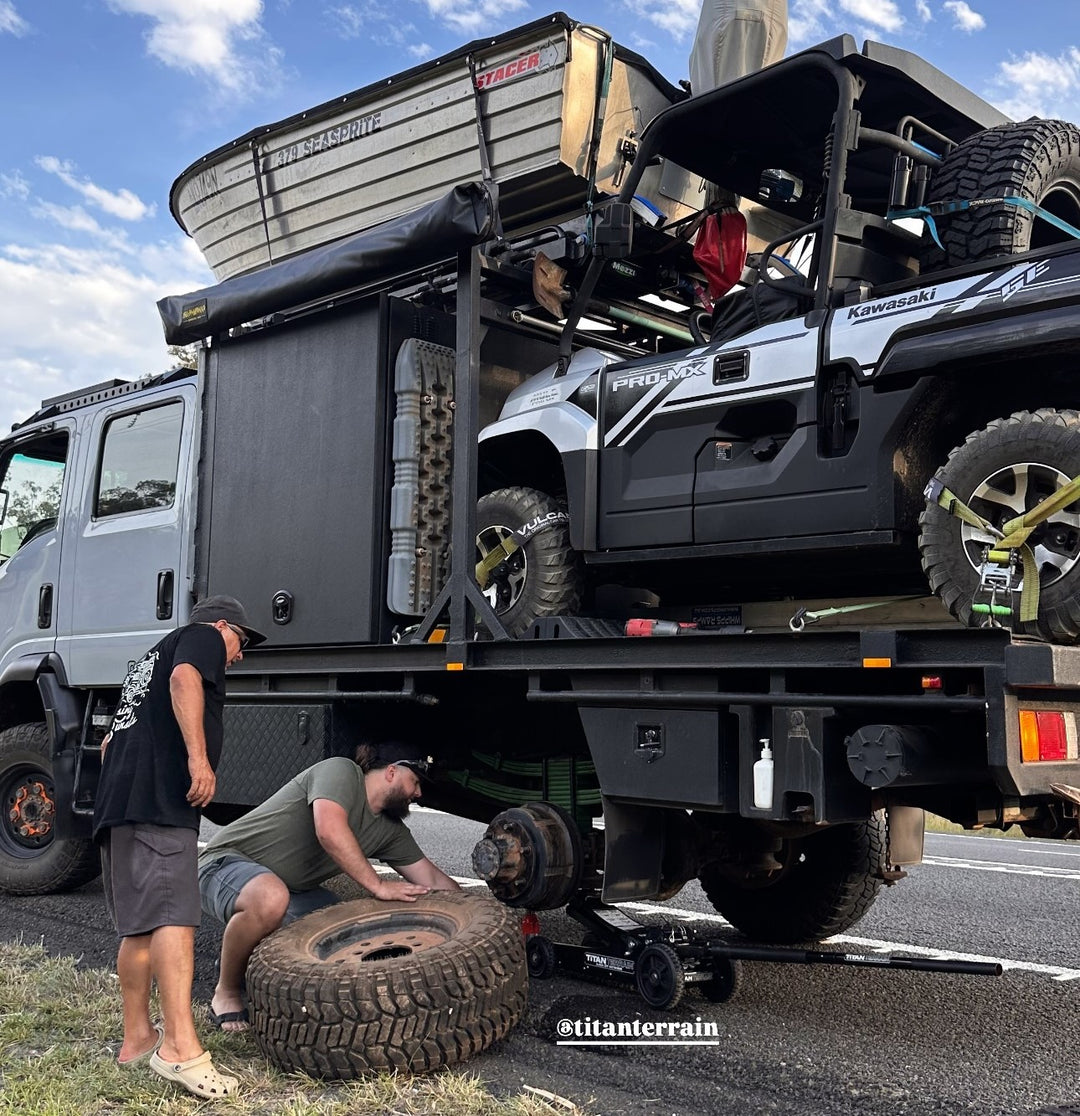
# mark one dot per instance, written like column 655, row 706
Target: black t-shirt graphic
column 145, row 777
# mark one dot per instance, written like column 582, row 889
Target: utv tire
column 827, row 882
column 543, row 577
column 370, row 986
column 32, row 860
column 1001, row 472
column 1034, row 159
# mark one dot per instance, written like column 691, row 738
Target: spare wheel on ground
column 369, row 985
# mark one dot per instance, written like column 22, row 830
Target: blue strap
column 944, row 208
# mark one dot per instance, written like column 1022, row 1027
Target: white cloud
column 470, row 17
column 1040, row 85
column 964, row 19
column 14, row 185
column 678, row 18
column 122, row 204
column 222, row 40
column 807, row 21
column 922, row 10
column 70, row 317
column 379, row 25
column 10, row 20
column 879, row 13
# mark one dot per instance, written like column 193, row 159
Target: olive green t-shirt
column 280, row 834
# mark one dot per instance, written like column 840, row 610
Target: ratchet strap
column 932, row 210
column 1013, row 535
column 805, row 616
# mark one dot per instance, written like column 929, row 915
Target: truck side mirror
column 613, row 231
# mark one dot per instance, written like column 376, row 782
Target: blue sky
column 106, row 101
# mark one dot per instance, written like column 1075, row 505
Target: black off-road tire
column 1035, row 159
column 370, row 986
column 35, row 863
column 827, row 882
column 544, row 577
column 1022, row 459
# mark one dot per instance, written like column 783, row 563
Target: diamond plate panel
column 266, row 745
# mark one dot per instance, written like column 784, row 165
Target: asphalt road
column 815, row 1040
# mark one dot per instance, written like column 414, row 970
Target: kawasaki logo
column 873, row 309
column 658, row 376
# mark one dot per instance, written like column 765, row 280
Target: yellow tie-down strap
column 1013, row 535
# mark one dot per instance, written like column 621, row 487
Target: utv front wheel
column 538, row 577
column 1000, row 473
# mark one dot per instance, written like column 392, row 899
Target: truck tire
column 543, row 577
column 369, row 986
column 827, row 882
column 1000, row 472
column 32, row 861
column 1034, row 159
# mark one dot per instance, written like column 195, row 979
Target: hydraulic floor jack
column 662, row 959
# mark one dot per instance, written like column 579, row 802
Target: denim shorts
column 222, row 880
column 148, row 873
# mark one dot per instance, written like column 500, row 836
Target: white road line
column 1055, row 972
column 1003, row 866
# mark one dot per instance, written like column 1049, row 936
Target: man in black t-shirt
column 157, row 774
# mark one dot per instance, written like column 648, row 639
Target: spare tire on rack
column 1034, row 159
column 369, row 985
column 999, row 473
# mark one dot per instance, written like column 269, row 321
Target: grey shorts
column 222, row 880
column 149, row 876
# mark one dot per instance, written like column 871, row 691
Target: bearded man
column 265, row 869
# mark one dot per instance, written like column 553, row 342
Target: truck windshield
column 30, row 482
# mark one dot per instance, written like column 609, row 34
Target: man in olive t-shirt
column 265, row 869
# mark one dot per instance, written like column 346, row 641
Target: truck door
column 126, row 558
column 687, row 438
column 34, row 492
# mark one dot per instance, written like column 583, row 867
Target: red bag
column 720, row 250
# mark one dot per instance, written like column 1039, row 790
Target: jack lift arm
column 662, row 959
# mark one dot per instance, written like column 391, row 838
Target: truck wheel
column 827, row 882
column 1034, row 159
column 1001, row 472
column 32, row 861
column 543, row 577
column 367, row 985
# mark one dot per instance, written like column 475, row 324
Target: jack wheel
column 540, row 957
column 726, row 979
column 660, row 976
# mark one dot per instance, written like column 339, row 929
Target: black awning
column 464, row 217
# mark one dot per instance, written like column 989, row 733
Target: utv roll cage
column 856, row 132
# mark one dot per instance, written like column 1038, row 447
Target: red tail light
column 1047, row 736
column 530, row 924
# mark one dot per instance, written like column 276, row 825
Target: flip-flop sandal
column 198, row 1076
column 140, row 1058
column 240, row 1016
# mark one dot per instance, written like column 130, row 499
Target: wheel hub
column 399, row 934
column 31, row 812
column 1009, row 493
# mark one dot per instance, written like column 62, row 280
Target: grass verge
column 934, row 824
column 60, row 1030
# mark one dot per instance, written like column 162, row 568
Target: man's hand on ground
column 203, row 782
column 399, row 889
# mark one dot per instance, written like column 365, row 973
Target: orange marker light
column 1029, row 736
column 877, row 663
